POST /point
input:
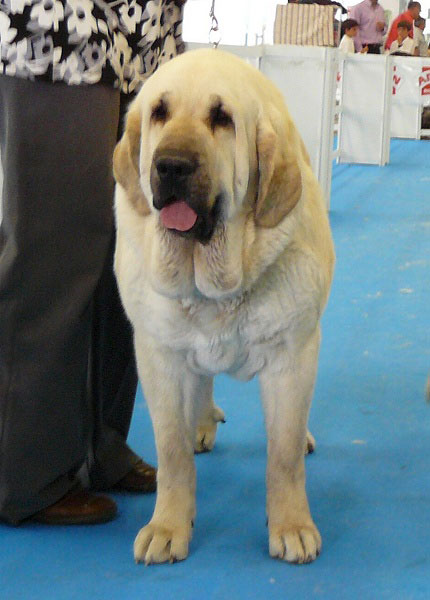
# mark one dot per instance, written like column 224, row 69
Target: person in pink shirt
column 372, row 25
column 413, row 12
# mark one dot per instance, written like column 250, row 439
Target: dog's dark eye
column 160, row 112
column 219, row 117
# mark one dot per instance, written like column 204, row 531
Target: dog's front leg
column 163, row 375
column 287, row 386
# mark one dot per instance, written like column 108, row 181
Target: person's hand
column 380, row 26
column 364, row 50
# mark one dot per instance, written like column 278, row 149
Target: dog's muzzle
column 180, row 193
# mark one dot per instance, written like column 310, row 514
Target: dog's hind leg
column 208, row 415
column 310, row 443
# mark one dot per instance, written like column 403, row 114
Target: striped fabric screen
column 304, row 24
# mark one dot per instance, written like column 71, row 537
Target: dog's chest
column 219, row 340
column 235, row 337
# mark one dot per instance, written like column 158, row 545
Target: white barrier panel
column 306, row 75
column 364, row 123
column 411, row 91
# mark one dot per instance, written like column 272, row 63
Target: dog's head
column 205, row 140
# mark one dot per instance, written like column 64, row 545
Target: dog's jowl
column 224, row 261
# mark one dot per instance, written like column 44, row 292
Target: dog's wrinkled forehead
column 214, row 110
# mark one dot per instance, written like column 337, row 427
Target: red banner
column 425, row 82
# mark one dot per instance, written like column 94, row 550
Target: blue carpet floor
column 368, row 482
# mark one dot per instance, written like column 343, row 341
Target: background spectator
column 350, row 27
column 404, row 45
column 372, row 26
column 420, row 41
column 413, row 12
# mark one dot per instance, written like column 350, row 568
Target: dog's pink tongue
column 179, row 216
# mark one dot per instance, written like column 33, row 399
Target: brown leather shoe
column 78, row 507
column 142, row 478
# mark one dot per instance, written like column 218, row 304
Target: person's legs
column 56, row 147
column 373, row 48
column 113, row 384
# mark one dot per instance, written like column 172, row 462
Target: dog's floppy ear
column 126, row 162
column 280, row 180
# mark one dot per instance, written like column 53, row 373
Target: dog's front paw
column 206, row 430
column 299, row 544
column 158, row 544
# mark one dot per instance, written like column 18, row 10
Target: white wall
column 240, row 21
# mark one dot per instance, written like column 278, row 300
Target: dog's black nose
column 175, row 167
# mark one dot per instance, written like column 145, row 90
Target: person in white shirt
column 404, row 45
column 350, row 27
column 421, row 44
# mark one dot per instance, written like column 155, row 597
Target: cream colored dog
column 224, row 260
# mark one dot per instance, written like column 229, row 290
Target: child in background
column 404, row 45
column 350, row 27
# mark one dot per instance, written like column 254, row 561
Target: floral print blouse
column 118, row 42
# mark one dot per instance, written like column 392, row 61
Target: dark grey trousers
column 67, row 370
